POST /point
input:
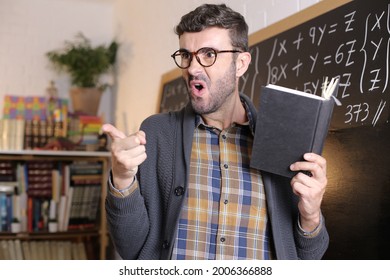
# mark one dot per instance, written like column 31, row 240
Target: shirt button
column 165, row 244
column 223, row 239
column 224, row 137
column 179, row 191
column 225, row 201
column 226, row 166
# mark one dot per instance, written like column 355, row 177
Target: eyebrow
column 185, row 50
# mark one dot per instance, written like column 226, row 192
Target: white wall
column 30, row 28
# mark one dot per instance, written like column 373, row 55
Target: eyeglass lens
column 205, row 56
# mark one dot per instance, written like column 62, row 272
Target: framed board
column 173, row 92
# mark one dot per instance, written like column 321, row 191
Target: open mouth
column 199, row 87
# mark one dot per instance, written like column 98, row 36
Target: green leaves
column 84, row 63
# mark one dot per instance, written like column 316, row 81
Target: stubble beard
column 222, row 90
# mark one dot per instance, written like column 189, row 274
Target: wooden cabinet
column 58, row 200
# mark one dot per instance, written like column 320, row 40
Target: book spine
column 28, row 135
column 323, row 122
column 3, row 212
column 5, row 134
column 19, row 139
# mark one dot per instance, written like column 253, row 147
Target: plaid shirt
column 225, row 214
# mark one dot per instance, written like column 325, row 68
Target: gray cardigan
column 143, row 224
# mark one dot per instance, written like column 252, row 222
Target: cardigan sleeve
column 312, row 247
column 128, row 223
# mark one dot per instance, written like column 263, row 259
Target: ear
column 242, row 63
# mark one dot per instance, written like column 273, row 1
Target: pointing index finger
column 113, row 132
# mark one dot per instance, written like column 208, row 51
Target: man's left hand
column 310, row 189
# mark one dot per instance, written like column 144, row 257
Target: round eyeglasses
column 205, row 56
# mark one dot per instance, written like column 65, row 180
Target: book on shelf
column 3, row 212
column 289, row 124
column 8, row 190
column 11, row 250
column 37, row 133
column 85, row 181
column 42, row 250
column 30, row 121
column 4, row 250
column 39, row 178
column 85, row 130
column 67, row 210
column 12, row 134
column 85, row 203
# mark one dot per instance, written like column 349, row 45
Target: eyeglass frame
column 192, row 54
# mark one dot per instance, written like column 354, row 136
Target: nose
column 195, row 67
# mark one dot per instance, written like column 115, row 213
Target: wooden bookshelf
column 97, row 232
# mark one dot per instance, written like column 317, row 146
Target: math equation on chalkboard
column 351, row 43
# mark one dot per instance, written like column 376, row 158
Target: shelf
column 56, row 153
column 50, row 235
column 99, row 233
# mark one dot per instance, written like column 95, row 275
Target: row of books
column 42, row 250
column 29, row 121
column 85, row 130
column 46, row 195
column 18, row 134
column 12, row 134
column 85, row 187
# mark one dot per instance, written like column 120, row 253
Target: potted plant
column 85, row 65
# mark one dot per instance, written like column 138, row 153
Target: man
column 182, row 188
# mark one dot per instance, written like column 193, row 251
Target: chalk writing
column 351, row 43
column 174, row 96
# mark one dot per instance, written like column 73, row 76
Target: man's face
column 209, row 87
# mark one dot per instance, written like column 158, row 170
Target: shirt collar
column 199, row 120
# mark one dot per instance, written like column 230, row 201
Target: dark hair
column 209, row 15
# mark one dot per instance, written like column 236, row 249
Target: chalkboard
column 349, row 40
column 173, row 92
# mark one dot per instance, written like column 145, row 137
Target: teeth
column 198, row 86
